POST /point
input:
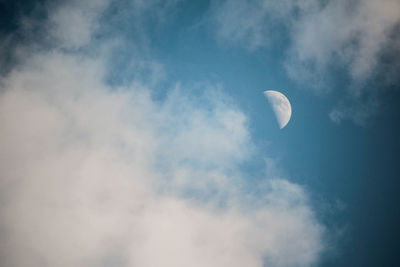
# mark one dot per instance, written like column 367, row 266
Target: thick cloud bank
column 94, row 175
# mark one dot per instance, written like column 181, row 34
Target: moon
column 280, row 105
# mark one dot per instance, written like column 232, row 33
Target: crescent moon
column 280, row 105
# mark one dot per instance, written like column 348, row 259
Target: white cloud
column 94, row 175
column 91, row 174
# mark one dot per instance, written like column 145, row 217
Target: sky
column 136, row 133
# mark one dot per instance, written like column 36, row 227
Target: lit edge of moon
column 280, row 105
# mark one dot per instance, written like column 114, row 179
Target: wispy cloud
column 355, row 36
column 100, row 174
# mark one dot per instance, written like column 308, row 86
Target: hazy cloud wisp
column 355, row 36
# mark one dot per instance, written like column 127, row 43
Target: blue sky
column 138, row 132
